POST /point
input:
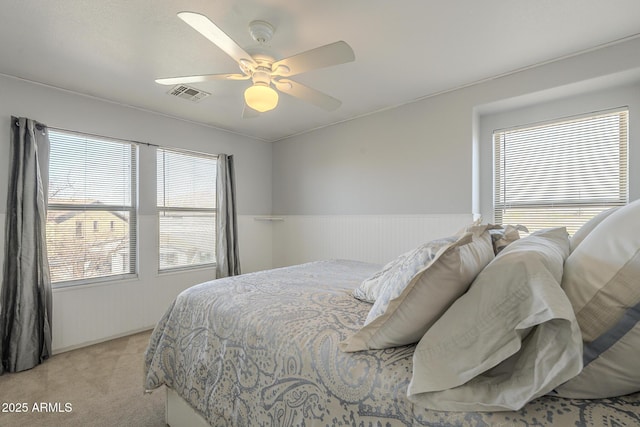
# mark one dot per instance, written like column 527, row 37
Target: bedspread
column 262, row 349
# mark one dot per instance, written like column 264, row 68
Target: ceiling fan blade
column 200, row 79
column 249, row 113
column 207, row 28
column 305, row 93
column 320, row 57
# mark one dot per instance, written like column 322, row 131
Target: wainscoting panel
column 372, row 238
column 255, row 242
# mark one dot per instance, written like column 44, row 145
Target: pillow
column 588, row 227
column 602, row 281
column 394, row 286
column 503, row 235
column 370, row 288
column 511, row 338
column 601, row 274
column 611, row 362
column 401, row 268
column 421, row 290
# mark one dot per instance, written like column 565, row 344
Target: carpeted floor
column 100, row 386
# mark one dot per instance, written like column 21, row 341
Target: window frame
column 500, row 201
column 165, row 209
column 132, row 211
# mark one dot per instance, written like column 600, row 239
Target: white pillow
column 511, row 338
column 602, row 275
column 419, row 292
column 611, row 362
column 588, row 227
column 602, row 281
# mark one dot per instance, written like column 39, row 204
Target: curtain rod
column 38, row 125
column 102, row 136
column 42, row 126
column 148, row 144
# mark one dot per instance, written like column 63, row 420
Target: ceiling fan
column 263, row 70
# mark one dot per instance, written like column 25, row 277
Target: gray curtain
column 228, row 260
column 25, row 300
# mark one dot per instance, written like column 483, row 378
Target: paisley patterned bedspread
column 262, row 349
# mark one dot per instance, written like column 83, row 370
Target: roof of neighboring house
column 67, row 215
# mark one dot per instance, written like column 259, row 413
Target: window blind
column 91, row 218
column 186, row 208
column 561, row 173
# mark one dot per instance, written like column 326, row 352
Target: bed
column 267, row 349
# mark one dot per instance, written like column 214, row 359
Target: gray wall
column 396, row 162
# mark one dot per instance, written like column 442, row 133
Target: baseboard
column 101, row 340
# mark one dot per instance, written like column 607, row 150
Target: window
column 186, row 209
column 79, row 230
column 561, row 173
column 91, row 180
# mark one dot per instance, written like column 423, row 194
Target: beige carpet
column 100, row 385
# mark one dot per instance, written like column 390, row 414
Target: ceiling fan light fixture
column 261, row 97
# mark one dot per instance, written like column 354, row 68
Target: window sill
column 182, row 270
column 90, row 283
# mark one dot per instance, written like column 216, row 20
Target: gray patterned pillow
column 371, row 288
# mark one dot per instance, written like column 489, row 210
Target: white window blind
column 561, row 173
column 186, row 209
column 91, row 218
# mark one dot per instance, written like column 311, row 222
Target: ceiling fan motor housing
column 261, row 75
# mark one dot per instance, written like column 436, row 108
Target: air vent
column 189, row 93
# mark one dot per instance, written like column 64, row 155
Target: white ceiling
column 405, row 50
